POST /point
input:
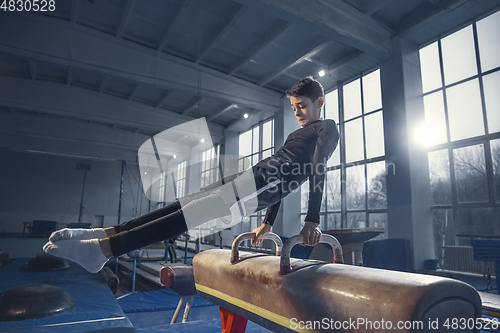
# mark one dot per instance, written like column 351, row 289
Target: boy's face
column 306, row 110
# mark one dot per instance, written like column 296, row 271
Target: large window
column 255, row 144
column 461, row 81
column 162, row 189
column 180, row 182
column 210, row 166
column 355, row 191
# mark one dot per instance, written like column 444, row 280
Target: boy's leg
column 203, row 208
column 151, row 216
column 87, row 252
column 66, row 234
column 93, row 254
column 173, row 225
column 156, row 214
column 99, row 233
column 75, row 233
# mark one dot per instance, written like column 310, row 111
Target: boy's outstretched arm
column 328, row 137
column 267, row 225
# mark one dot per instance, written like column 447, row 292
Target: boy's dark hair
column 307, row 87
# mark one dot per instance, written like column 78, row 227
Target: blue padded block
column 41, row 227
column 393, row 254
column 488, row 250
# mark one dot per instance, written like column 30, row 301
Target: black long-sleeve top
column 303, row 156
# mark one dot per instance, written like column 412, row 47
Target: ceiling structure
column 97, row 78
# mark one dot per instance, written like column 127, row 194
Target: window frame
column 212, row 170
column 343, row 166
column 180, row 182
column 257, row 216
column 450, row 146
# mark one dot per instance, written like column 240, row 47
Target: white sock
column 87, row 252
column 69, row 233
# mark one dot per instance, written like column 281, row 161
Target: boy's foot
column 69, row 233
column 86, row 253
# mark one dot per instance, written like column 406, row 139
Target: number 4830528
column 28, row 5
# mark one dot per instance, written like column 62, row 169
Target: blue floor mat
column 96, row 306
column 157, row 300
column 209, row 326
column 480, row 284
column 207, row 317
column 162, row 318
column 152, row 311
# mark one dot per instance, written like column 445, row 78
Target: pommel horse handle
column 292, row 241
column 249, row 235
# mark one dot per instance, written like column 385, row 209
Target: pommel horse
column 285, row 294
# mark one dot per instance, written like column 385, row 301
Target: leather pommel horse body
column 314, row 296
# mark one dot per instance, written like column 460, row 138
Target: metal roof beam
column 70, row 148
column 171, row 27
column 266, row 42
column 108, row 56
column 33, row 73
column 164, row 98
column 286, row 66
column 335, row 20
column 344, row 61
column 134, row 92
column 358, row 17
column 75, row 11
column 127, row 12
column 375, row 6
column 221, row 33
column 413, row 21
column 192, row 105
column 69, row 76
column 63, row 100
column 64, row 129
column 104, row 82
column 232, row 106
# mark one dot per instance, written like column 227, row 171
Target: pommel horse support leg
column 313, row 296
column 179, row 279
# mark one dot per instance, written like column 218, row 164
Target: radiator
column 461, row 258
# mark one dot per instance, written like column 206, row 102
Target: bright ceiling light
column 175, row 156
column 202, row 140
column 321, row 73
column 245, row 115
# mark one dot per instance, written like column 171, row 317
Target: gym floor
column 151, row 320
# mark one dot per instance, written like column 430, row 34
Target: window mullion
column 480, row 78
column 365, row 155
column 448, row 135
column 261, row 145
column 490, row 180
column 343, row 190
column 261, row 139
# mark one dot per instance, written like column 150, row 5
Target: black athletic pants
column 168, row 222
